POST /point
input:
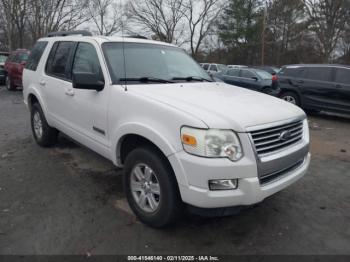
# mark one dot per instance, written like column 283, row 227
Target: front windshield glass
column 151, row 61
column 3, row 58
column 263, row 74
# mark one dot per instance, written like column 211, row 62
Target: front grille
column 280, row 174
column 273, row 139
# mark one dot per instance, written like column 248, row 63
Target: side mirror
column 87, row 81
column 23, row 63
column 255, row 78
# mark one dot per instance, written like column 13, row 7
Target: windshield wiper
column 145, row 79
column 192, row 78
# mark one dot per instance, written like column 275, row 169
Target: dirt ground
column 69, row 200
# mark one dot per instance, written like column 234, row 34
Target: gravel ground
column 69, row 200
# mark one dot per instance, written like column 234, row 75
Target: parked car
column 316, row 87
column 3, row 57
column 14, row 68
column 270, row 69
column 182, row 139
column 215, row 69
column 251, row 78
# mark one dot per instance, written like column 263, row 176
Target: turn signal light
column 189, row 140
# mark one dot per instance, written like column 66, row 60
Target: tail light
column 274, row 78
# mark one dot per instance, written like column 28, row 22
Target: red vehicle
column 14, row 66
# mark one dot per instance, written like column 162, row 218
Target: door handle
column 300, row 81
column 69, row 92
column 338, row 86
column 42, row 83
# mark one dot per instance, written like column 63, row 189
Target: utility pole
column 263, row 36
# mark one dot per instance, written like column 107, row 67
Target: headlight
column 213, row 143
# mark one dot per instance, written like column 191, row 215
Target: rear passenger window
column 58, row 62
column 247, row 74
column 342, row 76
column 35, row 55
column 233, row 72
column 319, row 73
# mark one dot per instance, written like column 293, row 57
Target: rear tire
column 43, row 134
column 291, row 97
column 9, row 85
column 157, row 203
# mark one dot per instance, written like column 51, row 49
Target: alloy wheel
column 145, row 188
column 38, row 125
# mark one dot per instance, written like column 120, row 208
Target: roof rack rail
column 67, row 33
column 137, row 36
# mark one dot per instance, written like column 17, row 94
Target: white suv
column 181, row 138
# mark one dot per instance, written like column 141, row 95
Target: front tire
column 43, row 134
column 151, row 188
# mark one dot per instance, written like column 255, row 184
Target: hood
column 220, row 105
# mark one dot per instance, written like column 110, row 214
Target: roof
column 104, row 39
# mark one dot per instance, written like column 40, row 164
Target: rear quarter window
column 319, row 73
column 35, row 55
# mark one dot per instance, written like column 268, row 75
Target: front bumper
column 193, row 174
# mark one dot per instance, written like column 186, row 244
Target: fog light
column 223, row 184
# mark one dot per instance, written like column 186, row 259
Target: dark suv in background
column 316, row 87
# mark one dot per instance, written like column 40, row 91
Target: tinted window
column 205, row 67
column 213, row 68
column 342, row 75
column 58, row 62
column 232, row 72
column 86, row 60
column 319, row 73
column 247, row 74
column 263, row 74
column 35, row 55
column 293, row 72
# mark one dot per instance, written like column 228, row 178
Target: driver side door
column 88, row 108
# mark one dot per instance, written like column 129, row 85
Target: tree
column 106, row 16
column 240, row 30
column 285, row 26
column 55, row 15
column 159, row 17
column 200, row 16
column 327, row 20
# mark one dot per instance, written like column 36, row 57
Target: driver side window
column 86, row 60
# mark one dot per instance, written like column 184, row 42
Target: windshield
column 151, row 62
column 3, row 58
column 263, row 74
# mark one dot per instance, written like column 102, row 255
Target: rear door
column 317, row 88
column 231, row 76
column 249, row 79
column 342, row 89
column 56, row 83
